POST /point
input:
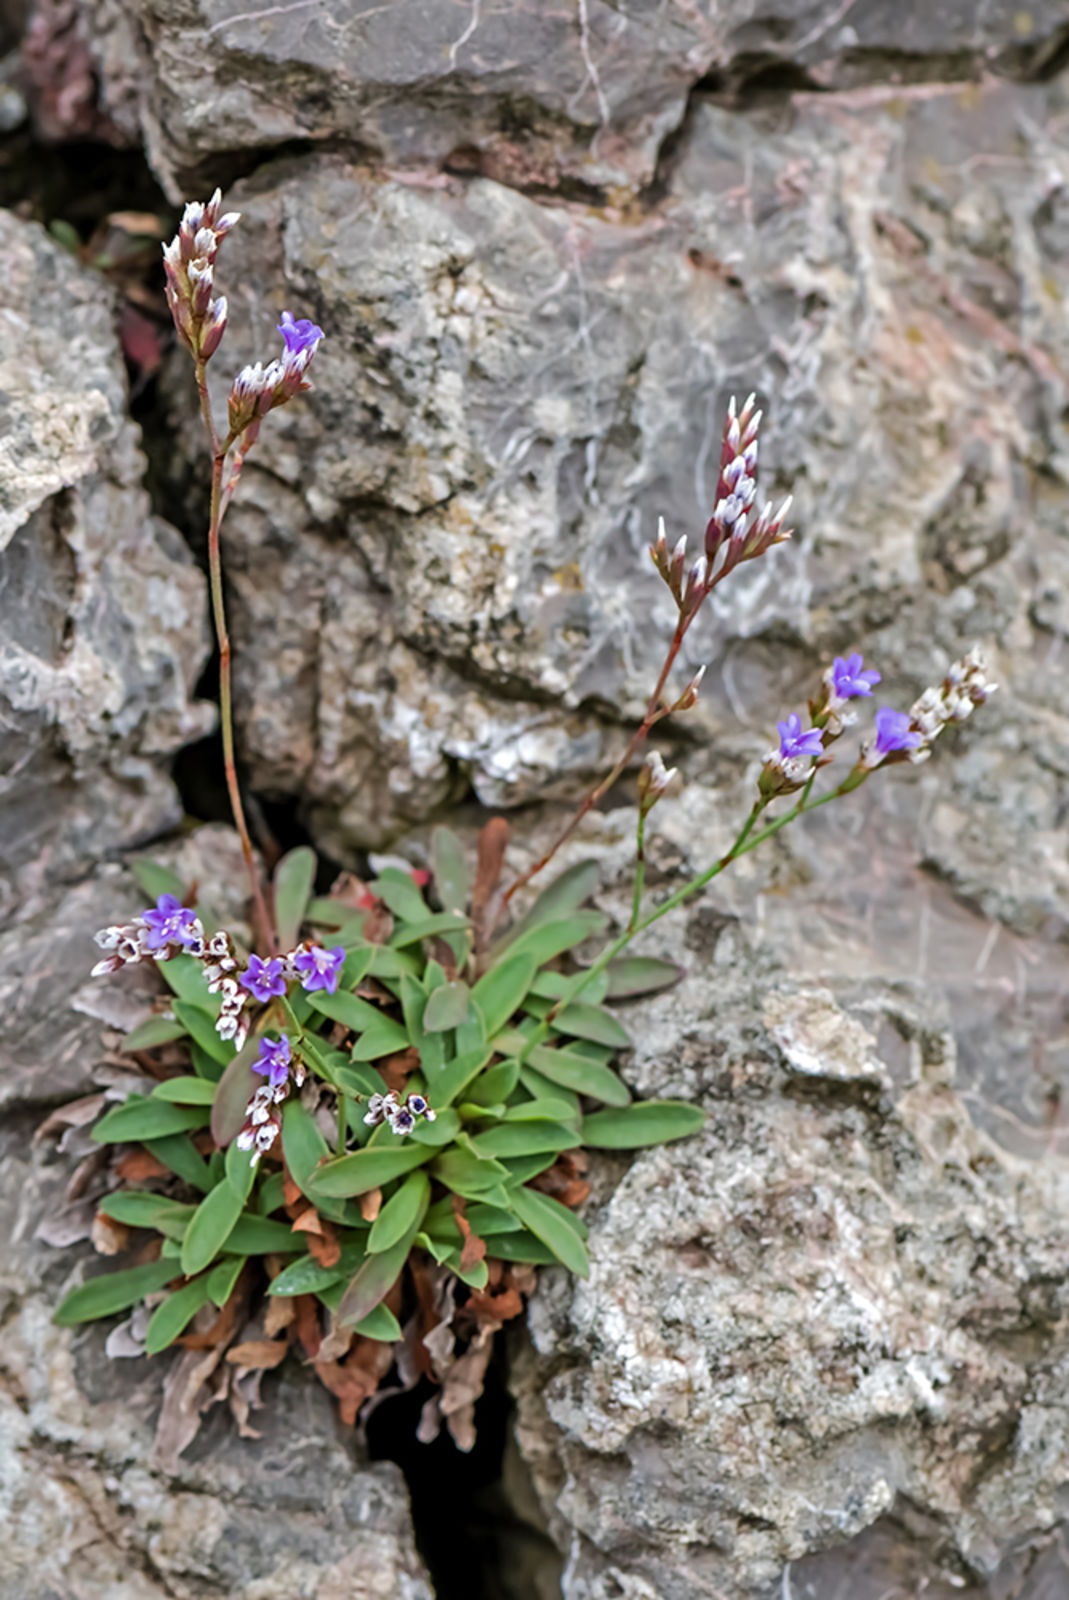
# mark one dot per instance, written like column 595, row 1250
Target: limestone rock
column 510, row 394
column 103, row 628
column 542, row 97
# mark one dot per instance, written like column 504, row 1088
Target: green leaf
column 591, row 1022
column 428, row 928
column 203, row 1064
column 355, row 969
column 555, row 985
column 302, row 1143
column 171, row 1318
column 294, row 878
column 496, row 1084
column 306, row 1276
column 240, row 1171
column 524, row 1139
column 112, row 1292
column 551, row 939
column 379, row 1324
column 387, row 963
column 400, row 892
column 221, row 1279
column 558, row 899
column 631, row 975
column 233, row 1092
column 413, row 1001
column 364, row 1170
column 491, row 1219
column 384, row 1040
column 373, row 1281
column 153, row 879
column 152, row 1032
column 351, row 1011
column 578, row 1072
column 199, row 1025
column 185, row 1091
column 648, row 1122
column 328, row 912
column 210, row 1227
column 549, row 1109
column 522, row 1246
column 468, row 1175
column 554, row 1224
column 186, row 978
column 139, row 1209
column 447, row 1082
column 452, row 878
column 271, row 1194
column 178, row 1155
column 542, row 1089
column 521, row 1169
column 499, row 993
column 442, row 1130
column 402, row 1213
column 138, row 1118
column 261, row 1236
column 447, row 1007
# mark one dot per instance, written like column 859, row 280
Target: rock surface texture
column 824, row 1347
column 89, row 1505
column 103, row 626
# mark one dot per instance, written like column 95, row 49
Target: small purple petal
column 893, row 732
column 273, row 1062
column 299, row 336
column 795, row 742
column 320, row 969
column 850, row 679
column 264, row 979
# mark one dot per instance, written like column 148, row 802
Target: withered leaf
column 258, row 1353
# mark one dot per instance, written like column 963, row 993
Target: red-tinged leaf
column 233, row 1092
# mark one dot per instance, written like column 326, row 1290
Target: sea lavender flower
column 258, row 389
column 847, row 678
column 189, row 269
column 796, row 743
column 319, row 968
column 895, row 735
column 262, row 1124
column 401, row 1118
column 273, row 1062
column 169, row 922
column 654, row 782
column 264, row 979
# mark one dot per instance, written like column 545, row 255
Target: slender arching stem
column 640, row 869
column 220, row 449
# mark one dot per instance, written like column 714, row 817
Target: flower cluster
column 258, row 389
column 909, row 736
column 170, row 927
column 263, row 1122
column 401, row 1118
column 189, row 269
column 730, row 536
column 156, row 935
column 654, row 782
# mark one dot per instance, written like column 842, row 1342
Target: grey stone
column 89, row 1508
column 510, row 394
column 103, row 627
column 542, row 97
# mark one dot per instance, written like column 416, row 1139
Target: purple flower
column 402, row 1122
column 848, row 680
column 274, row 1061
column 794, row 742
column 319, row 968
column 263, row 979
column 894, row 732
column 170, row 923
column 299, row 336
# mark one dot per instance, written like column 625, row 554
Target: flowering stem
column 640, row 869
column 654, row 712
column 746, row 841
column 226, row 718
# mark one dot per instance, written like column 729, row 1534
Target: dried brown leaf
column 370, row 1204
column 280, row 1313
column 325, row 1246
column 492, row 844
column 258, row 1353
column 397, row 1069
column 306, row 1325
column 186, row 1395
column 75, row 1114
column 309, row 1221
column 109, row 1237
column 138, row 1165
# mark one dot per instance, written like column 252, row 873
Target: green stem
column 226, row 716
column 746, row 841
column 640, row 870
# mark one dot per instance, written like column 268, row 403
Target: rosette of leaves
column 338, row 1209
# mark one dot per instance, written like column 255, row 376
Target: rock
column 818, row 1314
column 543, row 98
column 458, row 513
column 102, row 612
column 88, row 1506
